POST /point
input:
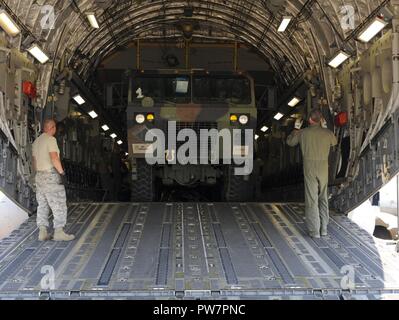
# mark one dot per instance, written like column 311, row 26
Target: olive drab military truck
column 171, row 101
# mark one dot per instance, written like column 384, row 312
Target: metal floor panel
column 190, row 250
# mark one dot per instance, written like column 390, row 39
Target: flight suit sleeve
column 334, row 140
column 293, row 138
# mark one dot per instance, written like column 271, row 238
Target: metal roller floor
column 198, row 250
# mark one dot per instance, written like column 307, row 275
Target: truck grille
column 197, row 126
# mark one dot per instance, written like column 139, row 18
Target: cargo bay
column 110, row 71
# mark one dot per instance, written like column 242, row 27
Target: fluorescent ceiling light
column 278, row 116
column 284, row 24
column 105, row 127
column 93, row 21
column 256, row 137
column 294, row 102
column 78, row 98
column 38, row 54
column 113, row 135
column 372, row 30
column 264, row 129
column 8, row 24
column 338, row 59
column 119, row 142
column 93, row 114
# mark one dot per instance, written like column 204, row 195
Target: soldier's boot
column 60, row 235
column 314, row 235
column 43, row 234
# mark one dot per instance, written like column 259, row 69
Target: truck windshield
column 216, row 89
column 162, row 88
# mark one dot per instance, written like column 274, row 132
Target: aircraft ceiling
column 316, row 29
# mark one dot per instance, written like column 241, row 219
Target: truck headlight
column 243, row 119
column 140, row 118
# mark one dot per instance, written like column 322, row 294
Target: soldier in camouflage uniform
column 50, row 191
column 315, row 143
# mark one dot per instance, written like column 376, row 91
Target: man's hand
column 298, row 124
column 323, row 123
column 63, row 178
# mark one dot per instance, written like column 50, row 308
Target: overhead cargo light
column 264, row 129
column 294, row 102
column 93, row 114
column 92, row 19
column 278, row 116
column 284, row 24
column 38, row 54
column 8, row 25
column 105, row 127
column 119, row 142
column 79, row 100
column 372, row 30
column 113, row 135
column 338, row 59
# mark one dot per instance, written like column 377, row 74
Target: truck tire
column 237, row 188
column 143, row 188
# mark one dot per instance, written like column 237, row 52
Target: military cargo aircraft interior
column 90, row 88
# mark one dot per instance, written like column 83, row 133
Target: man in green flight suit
column 315, row 142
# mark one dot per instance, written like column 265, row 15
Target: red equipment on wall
column 341, row 119
column 29, row 89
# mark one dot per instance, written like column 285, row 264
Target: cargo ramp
column 197, row 251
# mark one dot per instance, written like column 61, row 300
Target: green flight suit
column 315, row 143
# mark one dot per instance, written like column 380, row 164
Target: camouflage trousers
column 50, row 194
